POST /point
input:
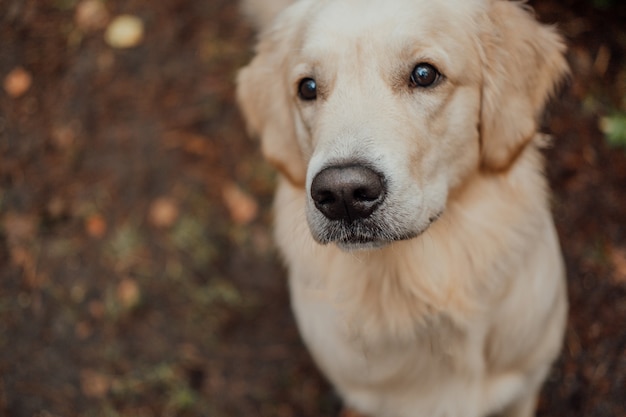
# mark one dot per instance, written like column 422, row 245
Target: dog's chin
column 364, row 235
column 350, row 238
column 347, row 246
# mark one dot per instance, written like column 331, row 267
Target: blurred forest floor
column 137, row 272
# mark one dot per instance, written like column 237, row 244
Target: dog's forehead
column 354, row 36
column 336, row 21
column 390, row 31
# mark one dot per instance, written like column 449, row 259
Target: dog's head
column 379, row 109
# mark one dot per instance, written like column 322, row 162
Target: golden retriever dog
column 412, row 211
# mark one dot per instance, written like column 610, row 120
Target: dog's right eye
column 307, row 89
column 425, row 75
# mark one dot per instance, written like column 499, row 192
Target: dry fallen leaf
column 56, row 207
column 128, row 293
column 17, row 82
column 96, row 226
column 125, row 31
column 241, row 206
column 163, row 212
column 94, row 384
column 27, row 261
column 91, row 15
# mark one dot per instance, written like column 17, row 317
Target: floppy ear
column 523, row 64
column 264, row 98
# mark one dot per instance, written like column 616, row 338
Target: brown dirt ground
column 137, row 274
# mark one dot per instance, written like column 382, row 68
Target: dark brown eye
column 307, row 89
column 424, row 75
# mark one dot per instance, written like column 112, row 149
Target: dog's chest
column 348, row 346
column 371, row 374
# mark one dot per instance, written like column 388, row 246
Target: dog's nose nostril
column 325, row 197
column 347, row 192
column 366, row 194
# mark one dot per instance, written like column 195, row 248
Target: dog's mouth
column 366, row 234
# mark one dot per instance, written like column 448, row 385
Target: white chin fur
column 361, row 247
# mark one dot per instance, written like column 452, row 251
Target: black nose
column 347, row 192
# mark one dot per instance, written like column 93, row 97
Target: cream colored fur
column 466, row 318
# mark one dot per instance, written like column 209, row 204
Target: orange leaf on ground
column 163, row 212
column 96, row 226
column 17, row 82
column 91, row 15
column 241, row 206
column 128, row 293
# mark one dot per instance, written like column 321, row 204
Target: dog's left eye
column 424, row 75
column 307, row 89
